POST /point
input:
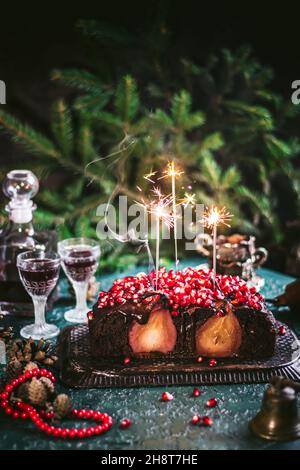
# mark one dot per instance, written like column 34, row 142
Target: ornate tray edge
column 89, row 378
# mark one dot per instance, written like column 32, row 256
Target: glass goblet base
column 45, row 331
column 76, row 316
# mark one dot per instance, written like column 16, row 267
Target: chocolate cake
column 186, row 316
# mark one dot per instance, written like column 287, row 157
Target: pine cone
column 6, row 334
column 30, row 366
column 48, row 385
column 37, row 392
column 22, row 392
column 28, row 351
column 27, row 348
column 14, row 368
column 62, row 406
column 40, row 356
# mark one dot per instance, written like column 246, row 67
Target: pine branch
column 127, row 99
column 213, row 141
column 62, row 127
column 181, row 112
column 257, row 117
column 90, row 105
column 278, row 148
column 85, row 144
column 80, row 79
column 32, row 141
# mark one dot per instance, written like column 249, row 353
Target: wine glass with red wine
column 80, row 258
column 39, row 273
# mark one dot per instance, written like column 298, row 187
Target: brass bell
column 278, row 418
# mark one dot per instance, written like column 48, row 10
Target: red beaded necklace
column 21, row 410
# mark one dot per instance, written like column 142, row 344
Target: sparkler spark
column 160, row 207
column 171, row 171
column 150, row 175
column 213, row 217
column 189, row 199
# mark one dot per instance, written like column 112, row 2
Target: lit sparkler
column 173, row 172
column 159, row 208
column 211, row 219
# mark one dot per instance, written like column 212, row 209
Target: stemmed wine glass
column 39, row 273
column 80, row 258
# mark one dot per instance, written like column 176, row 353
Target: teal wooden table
column 160, row 425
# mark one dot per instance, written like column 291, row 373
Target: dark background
column 37, row 36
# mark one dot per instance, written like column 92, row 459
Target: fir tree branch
column 32, row 141
column 62, row 127
column 80, row 79
column 127, row 99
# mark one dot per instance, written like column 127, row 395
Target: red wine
column 39, row 276
column 80, row 264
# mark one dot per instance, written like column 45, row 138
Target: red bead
column 207, row 421
column 28, row 374
column 126, row 360
column 195, row 419
column 200, row 359
column 4, row 396
column 98, row 430
column 196, row 392
column 16, row 415
column 81, row 433
column 125, row 423
column 9, row 410
column 211, row 403
column 212, row 362
column 9, row 388
column 166, row 396
column 282, row 330
column 89, row 432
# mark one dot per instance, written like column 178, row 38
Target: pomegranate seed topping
column 207, row 421
column 282, row 330
column 195, row 419
column 166, row 396
column 212, row 362
column 211, row 403
column 125, row 423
